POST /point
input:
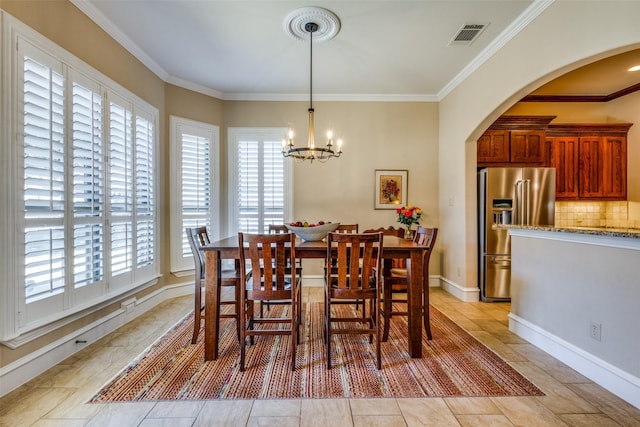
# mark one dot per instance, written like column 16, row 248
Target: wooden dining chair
column 281, row 229
column 355, row 256
column 400, row 276
column 349, row 229
column 198, row 237
column 266, row 256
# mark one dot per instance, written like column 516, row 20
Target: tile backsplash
column 598, row 214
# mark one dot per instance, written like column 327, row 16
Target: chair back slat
column 426, row 236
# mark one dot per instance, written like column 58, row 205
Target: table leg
column 212, row 278
column 415, row 297
column 425, row 293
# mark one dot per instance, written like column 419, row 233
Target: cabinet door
column 493, row 147
column 603, row 167
column 527, row 146
column 591, row 167
column 564, row 157
column 614, row 166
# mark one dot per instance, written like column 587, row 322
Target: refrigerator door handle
column 527, row 201
column 519, row 208
column 500, row 260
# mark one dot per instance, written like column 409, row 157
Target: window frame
column 181, row 264
column 22, row 322
column 261, row 134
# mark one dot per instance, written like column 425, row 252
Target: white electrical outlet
column 595, row 331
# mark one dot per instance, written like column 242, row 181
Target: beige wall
column 563, row 37
column 377, row 135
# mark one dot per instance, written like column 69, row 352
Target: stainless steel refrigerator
column 508, row 196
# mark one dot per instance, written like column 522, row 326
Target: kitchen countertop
column 594, row 231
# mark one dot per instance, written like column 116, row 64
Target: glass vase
column 408, row 233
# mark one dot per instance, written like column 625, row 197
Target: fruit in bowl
column 314, row 231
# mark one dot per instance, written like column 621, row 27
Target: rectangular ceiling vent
column 468, row 33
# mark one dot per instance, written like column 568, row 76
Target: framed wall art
column 391, row 189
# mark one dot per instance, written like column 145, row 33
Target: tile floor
column 57, row 397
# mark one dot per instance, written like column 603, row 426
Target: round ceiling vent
column 328, row 23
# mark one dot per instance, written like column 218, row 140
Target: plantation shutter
column 249, row 183
column 145, row 197
column 273, row 184
column 88, row 185
column 121, row 188
column 79, row 194
column 261, row 189
column 196, row 184
column 43, row 177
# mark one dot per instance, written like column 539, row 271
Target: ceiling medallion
column 328, row 23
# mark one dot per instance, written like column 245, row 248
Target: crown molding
column 350, row 97
column 582, row 98
column 98, row 17
column 194, row 87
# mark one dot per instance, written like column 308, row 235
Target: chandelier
column 311, row 152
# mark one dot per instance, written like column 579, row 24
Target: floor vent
column 468, row 33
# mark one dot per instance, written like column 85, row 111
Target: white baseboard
column 313, row 281
column 617, row 381
column 462, row 293
column 25, row 369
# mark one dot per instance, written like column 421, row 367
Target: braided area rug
column 453, row 364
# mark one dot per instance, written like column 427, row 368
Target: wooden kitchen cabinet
column 514, row 141
column 493, row 147
column 590, row 160
column 527, row 146
column 564, row 157
column 603, row 167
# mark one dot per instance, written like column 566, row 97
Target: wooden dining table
column 392, row 248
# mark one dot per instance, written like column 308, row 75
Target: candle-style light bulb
column 329, row 138
column 340, row 146
column 290, row 137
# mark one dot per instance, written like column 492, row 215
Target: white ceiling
column 385, row 50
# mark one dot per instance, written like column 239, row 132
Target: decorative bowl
column 315, row 233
